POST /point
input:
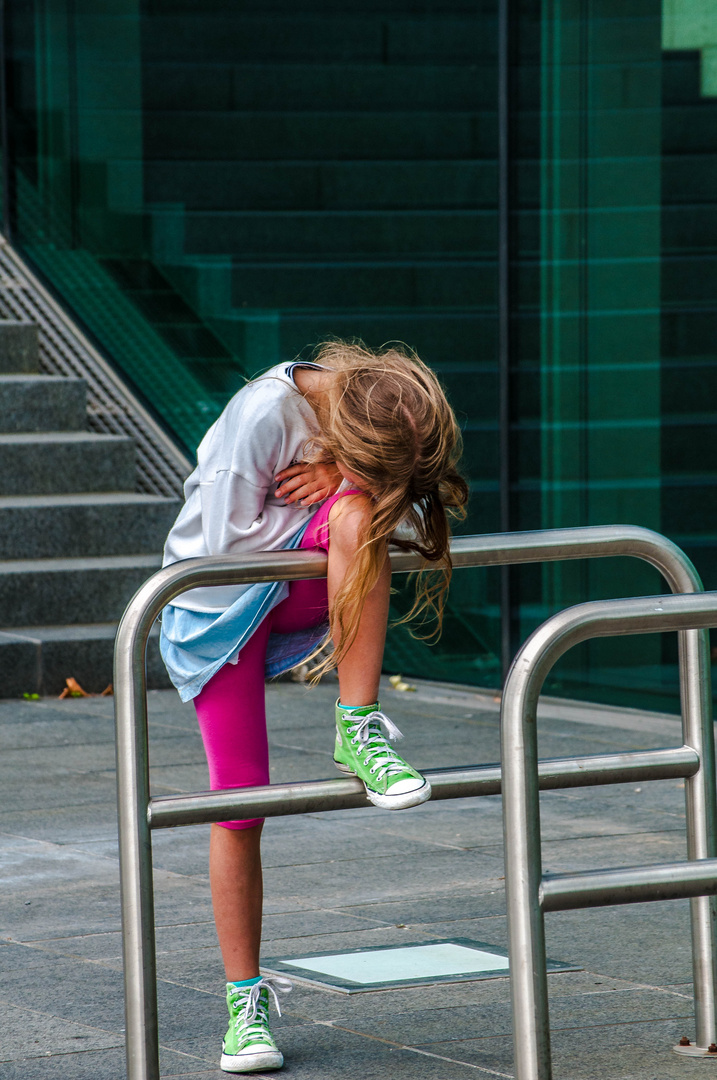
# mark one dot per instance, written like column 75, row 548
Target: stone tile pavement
column 333, row 881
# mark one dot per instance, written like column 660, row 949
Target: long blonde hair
column 384, row 416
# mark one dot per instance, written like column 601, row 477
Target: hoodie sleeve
column 236, row 481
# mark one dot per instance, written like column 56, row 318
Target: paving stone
column 647, row 943
column 313, row 1051
column 63, row 825
column 422, row 1027
column 334, row 881
column 104, row 946
column 19, row 957
column 642, row 1050
column 98, row 1065
column 34, row 1032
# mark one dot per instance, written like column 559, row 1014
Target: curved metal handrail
column 131, row 703
column 690, row 615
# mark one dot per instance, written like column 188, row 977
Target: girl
column 335, row 454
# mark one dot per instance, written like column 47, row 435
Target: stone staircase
column 76, row 540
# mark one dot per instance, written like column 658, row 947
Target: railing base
column 692, row 1050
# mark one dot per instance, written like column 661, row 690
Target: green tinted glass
column 213, row 188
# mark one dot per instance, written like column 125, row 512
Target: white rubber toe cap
column 251, row 1061
column 401, row 795
column 402, row 787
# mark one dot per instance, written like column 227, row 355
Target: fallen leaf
column 397, row 683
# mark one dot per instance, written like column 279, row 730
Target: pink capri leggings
column 231, row 709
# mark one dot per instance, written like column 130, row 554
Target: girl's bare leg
column 234, row 854
column 237, row 893
column 360, row 670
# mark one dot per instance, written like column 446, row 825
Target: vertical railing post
column 522, row 826
column 701, row 813
column 135, row 853
column 523, row 874
column 521, row 810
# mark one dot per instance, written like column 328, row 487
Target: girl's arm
column 307, row 483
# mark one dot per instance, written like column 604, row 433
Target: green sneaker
column 363, row 750
column 249, row 1045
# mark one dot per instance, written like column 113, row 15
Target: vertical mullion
column 504, row 410
column 4, row 148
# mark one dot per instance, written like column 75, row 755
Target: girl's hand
column 307, row 483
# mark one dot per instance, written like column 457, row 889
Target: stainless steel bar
column 491, row 549
column 505, row 282
column 629, row 885
column 520, row 795
column 135, row 847
column 701, row 822
column 318, row 796
column 131, row 709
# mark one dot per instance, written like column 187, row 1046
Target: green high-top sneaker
column 363, row 750
column 249, row 1045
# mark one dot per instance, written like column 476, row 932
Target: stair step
column 689, row 178
column 49, row 526
column 682, row 136
column 689, row 504
column 62, row 591
column 263, row 338
column 290, row 136
column 302, row 185
column 688, row 444
column 317, row 87
column 295, row 233
column 689, row 279
column 689, row 229
column 292, row 285
column 312, row 38
column 432, row 8
column 703, row 552
column 18, row 347
column 437, row 336
column 39, row 659
column 59, row 462
column 42, row 403
column 688, row 332
column 687, row 383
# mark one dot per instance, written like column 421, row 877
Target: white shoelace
column 367, row 731
column 254, row 1005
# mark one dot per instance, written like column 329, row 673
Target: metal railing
column 65, row 349
column 139, row 813
column 528, row 894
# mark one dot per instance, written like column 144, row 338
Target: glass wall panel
column 615, row 264
column 212, row 187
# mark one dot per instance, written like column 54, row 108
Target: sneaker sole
column 243, row 1063
column 391, row 802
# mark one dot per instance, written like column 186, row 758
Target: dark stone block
column 333, row 136
column 21, row 665
column 42, row 403
column 54, row 592
column 18, row 347
column 115, row 524
column 51, row 462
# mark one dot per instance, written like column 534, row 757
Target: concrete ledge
column 47, row 526
column 20, row 663
column 55, row 462
column 39, row 659
column 18, row 347
column 42, row 403
column 79, row 591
